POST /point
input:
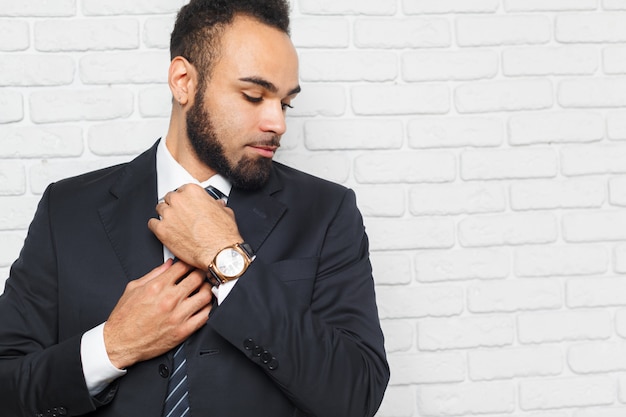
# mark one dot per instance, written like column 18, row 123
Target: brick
column 466, row 399
column 548, row 5
column 294, row 138
column 566, row 392
column 41, row 141
column 596, row 292
column 348, row 7
column 462, row 264
column 453, row 132
column 449, row 65
column 600, row 412
column 617, row 191
column 502, row 30
column 17, row 212
column 124, row 68
column 409, row 167
column 597, row 357
column 70, row 105
column 125, row 138
column 36, row 70
column 620, row 328
column 398, row 402
column 619, row 258
column 14, row 35
column 392, row 203
column 320, row 32
column 553, row 194
column 399, row 33
column 562, row 326
column 585, row 160
column 39, row 8
column 457, row 333
column 86, row 34
column 410, row 302
column 515, row 362
column 514, row 295
column 614, row 4
column 507, row 229
column 456, row 199
column 449, row 6
column 613, row 60
column 427, row 368
column 590, row 27
column 118, row 7
column 11, row 106
column 391, row 268
column 616, row 125
column 331, row 166
column 508, row 164
column 44, row 173
column 155, row 101
column 594, row 226
column 12, row 178
column 353, row 134
column 320, row 100
column 400, row 99
column 568, row 60
column 418, row 233
column 348, row 66
column 156, row 32
column 500, row 95
column 555, row 127
column 10, row 246
column 548, row 261
column 399, row 335
column 591, row 93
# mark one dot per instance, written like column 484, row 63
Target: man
column 268, row 308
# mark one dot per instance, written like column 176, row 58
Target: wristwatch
column 230, row 263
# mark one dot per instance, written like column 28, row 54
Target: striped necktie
column 177, row 401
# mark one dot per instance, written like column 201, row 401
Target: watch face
column 230, row 262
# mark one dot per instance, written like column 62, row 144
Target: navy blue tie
column 177, row 401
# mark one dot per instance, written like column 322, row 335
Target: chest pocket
column 298, row 275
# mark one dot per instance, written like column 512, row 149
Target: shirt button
column 164, row 371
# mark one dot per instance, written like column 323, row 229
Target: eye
column 252, row 99
column 286, row 106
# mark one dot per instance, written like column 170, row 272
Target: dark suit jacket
column 298, row 335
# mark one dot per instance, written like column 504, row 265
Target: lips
column 265, row 151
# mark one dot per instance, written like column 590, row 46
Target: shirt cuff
column 222, row 291
column 98, row 370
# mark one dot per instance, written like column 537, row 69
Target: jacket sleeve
column 326, row 354
column 39, row 374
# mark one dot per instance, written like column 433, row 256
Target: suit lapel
column 257, row 212
column 125, row 218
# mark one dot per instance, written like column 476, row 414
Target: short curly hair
column 200, row 23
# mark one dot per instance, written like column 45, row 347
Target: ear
column 182, row 79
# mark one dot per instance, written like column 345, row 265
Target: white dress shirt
column 97, row 368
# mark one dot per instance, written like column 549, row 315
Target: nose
column 273, row 119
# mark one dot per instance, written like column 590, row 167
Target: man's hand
column 156, row 313
column 194, row 226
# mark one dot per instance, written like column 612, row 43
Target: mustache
column 274, row 141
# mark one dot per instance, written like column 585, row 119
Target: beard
column 247, row 173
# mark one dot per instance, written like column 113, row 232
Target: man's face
column 238, row 116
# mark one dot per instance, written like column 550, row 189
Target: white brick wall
column 485, row 140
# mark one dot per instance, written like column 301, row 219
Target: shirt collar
column 171, row 175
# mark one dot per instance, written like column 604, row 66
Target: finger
column 191, row 283
column 155, row 272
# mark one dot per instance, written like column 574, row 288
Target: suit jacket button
column 266, row 357
column 257, row 351
column 164, row 371
column 62, row 411
column 273, row 365
column 249, row 344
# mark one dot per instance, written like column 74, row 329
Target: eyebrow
column 268, row 85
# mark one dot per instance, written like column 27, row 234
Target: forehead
column 250, row 48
